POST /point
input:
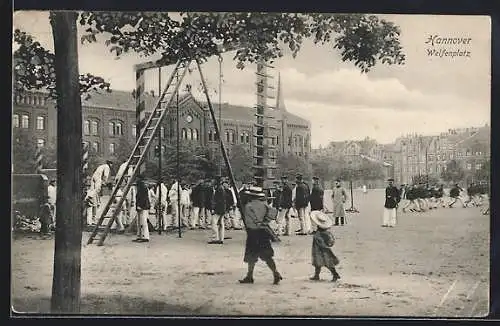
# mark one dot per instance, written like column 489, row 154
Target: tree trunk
column 68, row 235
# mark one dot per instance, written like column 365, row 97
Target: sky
column 426, row 95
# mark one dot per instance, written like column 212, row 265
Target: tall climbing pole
column 85, row 167
column 140, row 106
column 264, row 163
column 38, row 160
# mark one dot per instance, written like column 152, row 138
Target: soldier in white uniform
column 162, row 204
column 52, row 197
column 100, row 177
column 173, row 197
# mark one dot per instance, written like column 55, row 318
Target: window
column 95, row 146
column 134, row 130
column 162, row 132
column 190, row 134
column 216, row 136
column 469, row 166
column 40, row 143
column 86, row 127
column 233, row 137
column 479, row 166
column 195, row 134
column 210, row 136
column 94, row 128
column 247, row 135
column 184, row 133
column 25, row 121
column 111, row 128
column 277, row 140
column 40, row 123
column 290, row 141
column 15, row 121
column 273, row 141
column 112, row 148
column 227, row 136
column 115, row 128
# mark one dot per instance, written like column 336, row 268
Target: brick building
column 110, row 117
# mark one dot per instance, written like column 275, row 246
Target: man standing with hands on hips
column 392, row 199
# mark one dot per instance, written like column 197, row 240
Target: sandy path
column 431, row 264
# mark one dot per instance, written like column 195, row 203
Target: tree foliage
column 23, row 153
column 453, row 172
column 361, row 39
column 289, row 164
column 194, row 164
column 241, row 163
column 34, row 68
column 483, row 174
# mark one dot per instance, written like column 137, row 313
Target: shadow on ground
column 115, row 305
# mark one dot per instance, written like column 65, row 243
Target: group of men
column 299, row 200
column 422, row 197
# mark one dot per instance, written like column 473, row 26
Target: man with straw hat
column 257, row 215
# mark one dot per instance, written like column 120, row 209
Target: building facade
column 109, row 118
column 414, row 154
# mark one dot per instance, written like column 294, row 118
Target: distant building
column 110, row 117
column 414, row 154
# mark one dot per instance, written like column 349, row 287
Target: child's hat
column 321, row 219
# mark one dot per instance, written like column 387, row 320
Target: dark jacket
column 197, row 196
column 302, row 195
column 142, row 197
column 391, row 197
column 277, row 198
column 286, row 197
column 322, row 254
column 316, row 198
column 219, row 203
column 208, row 194
column 455, row 192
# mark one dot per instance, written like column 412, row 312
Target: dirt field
column 432, row 264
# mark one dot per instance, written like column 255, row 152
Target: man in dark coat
column 316, row 198
column 301, row 201
column 392, row 199
column 208, row 194
column 143, row 205
column 219, row 209
column 284, row 206
column 276, row 194
column 197, row 202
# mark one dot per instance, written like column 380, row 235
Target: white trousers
column 142, row 224
column 218, row 227
column 389, row 218
column 195, row 218
column 305, row 220
column 283, row 221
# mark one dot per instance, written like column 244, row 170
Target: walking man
column 317, row 195
column 258, row 244
column 301, row 201
column 392, row 199
column 143, row 206
column 455, row 195
column 339, row 197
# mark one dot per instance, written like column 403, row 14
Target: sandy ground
column 432, row 264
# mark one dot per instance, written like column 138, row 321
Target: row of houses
column 414, row 154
